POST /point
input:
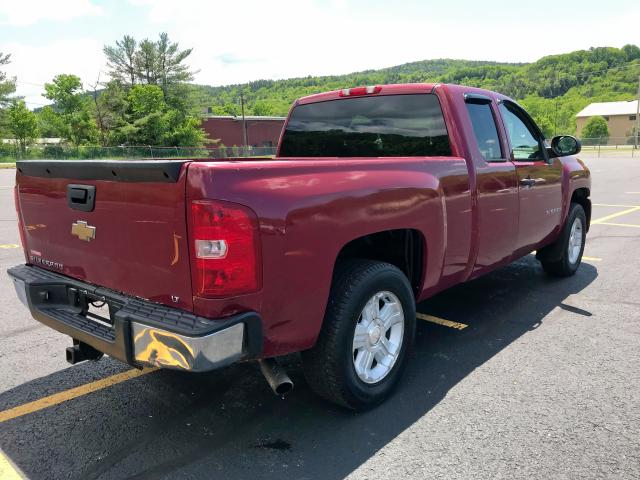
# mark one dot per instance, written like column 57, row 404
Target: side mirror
column 564, row 145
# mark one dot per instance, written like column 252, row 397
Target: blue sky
column 242, row 40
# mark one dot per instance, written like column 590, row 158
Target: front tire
column 368, row 329
column 563, row 257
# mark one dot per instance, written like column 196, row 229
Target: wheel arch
column 405, row 248
column 581, row 197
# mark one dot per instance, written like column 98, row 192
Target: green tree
column 65, row 90
column 263, row 108
column 631, row 51
column 121, row 60
column 50, row 123
column 171, row 67
column 73, row 108
column 147, row 62
column 147, row 108
column 82, row 128
column 7, row 86
column 146, row 99
column 596, row 128
column 546, row 125
column 185, row 132
column 111, row 106
column 23, row 124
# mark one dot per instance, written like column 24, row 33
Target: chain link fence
column 10, row 153
column 611, row 146
column 602, row 146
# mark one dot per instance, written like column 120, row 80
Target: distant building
column 37, row 141
column 620, row 117
column 261, row 131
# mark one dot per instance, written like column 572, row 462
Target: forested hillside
column 274, row 97
column 553, row 88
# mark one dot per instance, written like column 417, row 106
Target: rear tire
column 368, row 330
column 563, row 257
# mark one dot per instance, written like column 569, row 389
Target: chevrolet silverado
column 378, row 198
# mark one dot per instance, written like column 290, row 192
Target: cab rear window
column 380, row 126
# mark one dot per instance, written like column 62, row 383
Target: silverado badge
column 83, row 231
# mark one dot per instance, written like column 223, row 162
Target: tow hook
column 275, row 375
column 81, row 352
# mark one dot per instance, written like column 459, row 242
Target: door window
column 523, row 136
column 485, row 131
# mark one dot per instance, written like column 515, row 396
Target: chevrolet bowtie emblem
column 83, row 231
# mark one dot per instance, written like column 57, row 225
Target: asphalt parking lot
column 537, row 378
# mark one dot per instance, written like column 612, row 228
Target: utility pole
column 637, row 117
column 244, row 123
column 555, row 120
column 554, row 91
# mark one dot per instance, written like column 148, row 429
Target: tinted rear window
column 381, row 126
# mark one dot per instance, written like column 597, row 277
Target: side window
column 485, row 130
column 524, row 139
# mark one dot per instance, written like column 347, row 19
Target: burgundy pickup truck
column 378, row 198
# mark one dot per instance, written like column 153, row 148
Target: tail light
column 226, row 255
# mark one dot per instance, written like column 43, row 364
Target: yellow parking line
column 441, row 321
column 7, row 470
column 7, row 246
column 70, row 394
column 619, row 224
column 591, row 259
column 615, row 215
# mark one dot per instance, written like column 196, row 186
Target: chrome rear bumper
column 161, row 348
column 136, row 331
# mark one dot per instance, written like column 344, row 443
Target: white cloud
column 34, row 66
column 28, row 12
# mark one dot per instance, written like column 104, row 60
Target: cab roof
column 391, row 89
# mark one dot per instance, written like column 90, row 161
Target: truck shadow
column 229, row 425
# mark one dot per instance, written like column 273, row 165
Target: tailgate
column 117, row 224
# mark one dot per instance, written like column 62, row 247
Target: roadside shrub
column 595, row 131
column 7, row 152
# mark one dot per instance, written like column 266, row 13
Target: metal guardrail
column 59, row 152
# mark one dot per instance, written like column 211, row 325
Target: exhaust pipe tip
column 276, row 377
column 284, row 388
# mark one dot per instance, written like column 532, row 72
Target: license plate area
column 97, row 308
column 99, row 312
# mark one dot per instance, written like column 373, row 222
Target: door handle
column 528, row 182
